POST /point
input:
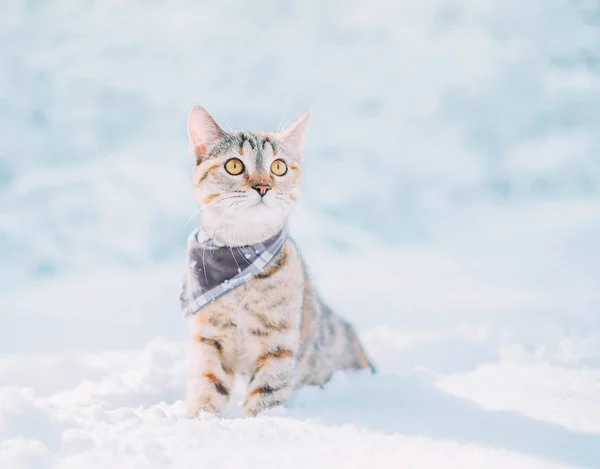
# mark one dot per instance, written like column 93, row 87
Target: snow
column 451, row 211
column 570, row 394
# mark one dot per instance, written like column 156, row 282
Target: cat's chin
column 252, row 224
column 262, row 216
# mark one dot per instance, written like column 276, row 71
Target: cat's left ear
column 292, row 137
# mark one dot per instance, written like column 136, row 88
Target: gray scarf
column 213, row 268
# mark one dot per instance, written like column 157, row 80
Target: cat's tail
column 361, row 357
column 360, row 360
column 347, row 347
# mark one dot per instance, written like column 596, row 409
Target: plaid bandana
column 213, row 268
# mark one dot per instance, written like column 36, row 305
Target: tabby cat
column 272, row 329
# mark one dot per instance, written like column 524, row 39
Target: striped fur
column 274, row 330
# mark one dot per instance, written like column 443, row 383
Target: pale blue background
column 462, row 132
column 431, row 119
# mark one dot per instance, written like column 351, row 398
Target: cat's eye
column 278, row 167
column 234, row 166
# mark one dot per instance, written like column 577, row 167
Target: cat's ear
column 203, row 131
column 292, row 137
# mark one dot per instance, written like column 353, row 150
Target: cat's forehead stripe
column 235, row 142
column 246, row 137
column 267, row 140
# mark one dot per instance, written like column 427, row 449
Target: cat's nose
column 261, row 188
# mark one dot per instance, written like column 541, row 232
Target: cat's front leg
column 212, row 361
column 271, row 350
column 271, row 331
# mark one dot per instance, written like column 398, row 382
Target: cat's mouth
column 263, row 204
column 260, row 202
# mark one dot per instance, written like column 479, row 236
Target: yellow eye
column 234, row 166
column 278, row 167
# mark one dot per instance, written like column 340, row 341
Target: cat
column 272, row 329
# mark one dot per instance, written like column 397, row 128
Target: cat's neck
column 233, row 235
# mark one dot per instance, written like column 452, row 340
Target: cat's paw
column 205, row 412
column 266, row 400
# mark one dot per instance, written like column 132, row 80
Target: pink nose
column 261, row 188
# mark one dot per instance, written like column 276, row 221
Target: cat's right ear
column 203, row 131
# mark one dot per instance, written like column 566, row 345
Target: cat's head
column 246, row 182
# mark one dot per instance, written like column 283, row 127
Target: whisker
column 237, row 242
column 281, row 125
column 230, row 248
column 227, row 123
column 284, row 201
column 188, row 221
column 222, row 199
column 211, row 235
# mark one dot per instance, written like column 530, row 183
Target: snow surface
column 451, row 211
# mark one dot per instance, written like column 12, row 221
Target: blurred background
column 468, row 123
column 451, row 206
column 467, row 128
